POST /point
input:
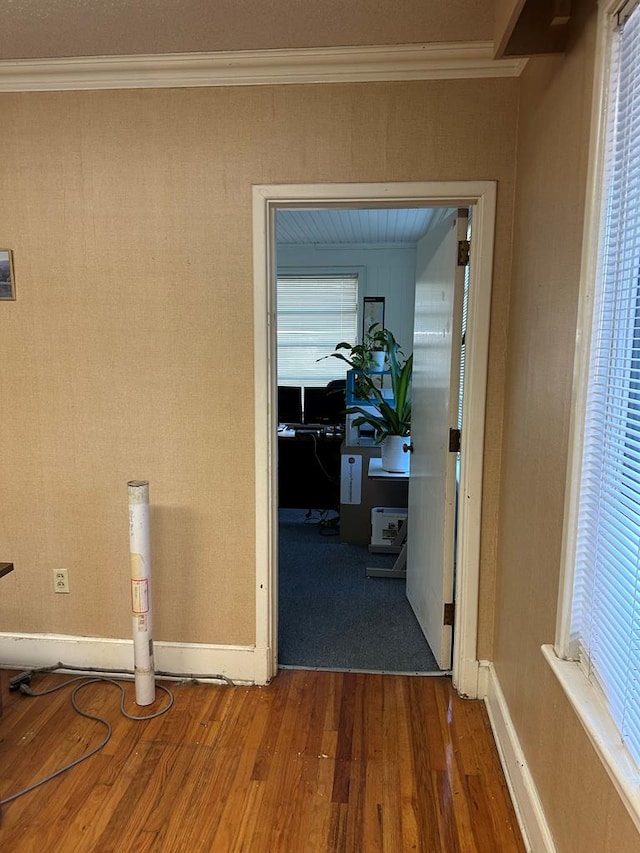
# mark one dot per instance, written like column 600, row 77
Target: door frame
column 481, row 197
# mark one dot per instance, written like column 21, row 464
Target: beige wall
column 129, row 351
column 584, row 813
column 46, row 28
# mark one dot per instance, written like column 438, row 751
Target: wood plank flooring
column 316, row 761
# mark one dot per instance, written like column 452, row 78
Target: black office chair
column 336, row 400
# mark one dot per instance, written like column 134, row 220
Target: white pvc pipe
column 140, row 560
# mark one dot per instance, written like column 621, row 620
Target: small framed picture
column 372, row 314
column 7, row 281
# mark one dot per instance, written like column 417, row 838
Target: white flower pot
column 395, row 458
column 377, row 359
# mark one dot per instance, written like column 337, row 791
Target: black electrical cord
column 328, row 525
column 320, row 465
column 24, row 688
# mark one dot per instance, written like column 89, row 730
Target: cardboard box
column 385, row 523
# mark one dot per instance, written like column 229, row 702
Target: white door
column 435, row 388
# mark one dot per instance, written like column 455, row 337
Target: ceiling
column 339, row 225
column 40, row 29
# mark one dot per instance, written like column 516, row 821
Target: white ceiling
column 39, row 29
column 339, row 225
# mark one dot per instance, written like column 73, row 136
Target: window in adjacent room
column 314, row 314
column 604, row 634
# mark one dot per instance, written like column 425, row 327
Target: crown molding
column 437, row 61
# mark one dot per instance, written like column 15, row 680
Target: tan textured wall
column 129, row 352
column 45, row 28
column 584, row 813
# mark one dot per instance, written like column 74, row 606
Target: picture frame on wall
column 372, row 312
column 7, row 280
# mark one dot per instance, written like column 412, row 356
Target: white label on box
column 391, row 531
column 351, row 479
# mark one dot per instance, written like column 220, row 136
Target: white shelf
column 376, row 470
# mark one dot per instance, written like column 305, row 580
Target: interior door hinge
column 455, row 439
column 449, row 613
column 464, row 248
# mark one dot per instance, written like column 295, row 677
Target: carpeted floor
column 332, row 616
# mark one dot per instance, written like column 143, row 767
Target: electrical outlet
column 61, row 580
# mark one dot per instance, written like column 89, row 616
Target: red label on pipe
column 140, row 595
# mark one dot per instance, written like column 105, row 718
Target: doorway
column 267, row 199
column 340, row 604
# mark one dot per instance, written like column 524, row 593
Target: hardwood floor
column 316, row 761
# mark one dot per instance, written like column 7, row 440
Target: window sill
column 603, row 734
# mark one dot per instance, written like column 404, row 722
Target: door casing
column 481, row 196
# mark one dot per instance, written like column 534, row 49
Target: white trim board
column 591, row 709
column 358, row 64
column 241, row 664
column 481, row 195
column 524, row 794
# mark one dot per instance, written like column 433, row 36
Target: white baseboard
column 241, row 664
column 484, row 668
column 531, row 818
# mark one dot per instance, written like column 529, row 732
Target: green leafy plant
column 392, row 416
column 361, row 355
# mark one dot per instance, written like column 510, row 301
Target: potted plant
column 390, row 418
column 368, row 356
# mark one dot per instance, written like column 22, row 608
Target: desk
column 377, row 472
column 5, row 568
column 391, row 490
column 399, row 568
column 308, row 470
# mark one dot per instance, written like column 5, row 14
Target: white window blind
column 314, row 314
column 606, row 606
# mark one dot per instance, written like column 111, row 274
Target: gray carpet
column 331, row 615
